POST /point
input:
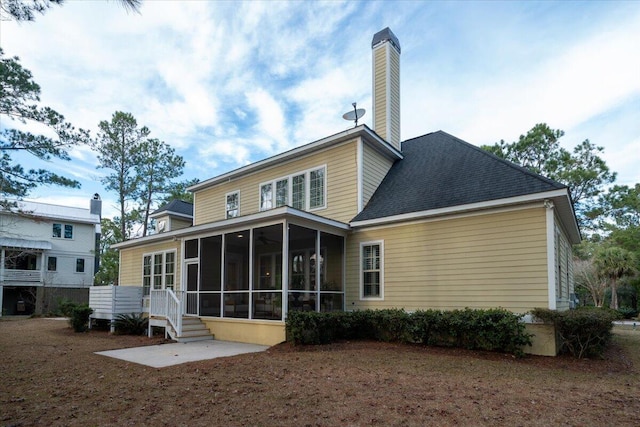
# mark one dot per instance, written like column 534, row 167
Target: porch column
column 318, row 270
column 42, row 265
column 285, row 269
column 2, row 256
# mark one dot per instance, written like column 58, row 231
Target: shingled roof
column 176, row 207
column 441, row 171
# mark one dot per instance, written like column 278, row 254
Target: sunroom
column 252, row 268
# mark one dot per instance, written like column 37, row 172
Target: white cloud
column 227, row 83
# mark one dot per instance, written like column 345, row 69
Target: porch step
column 193, row 329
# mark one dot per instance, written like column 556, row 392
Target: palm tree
column 615, row 263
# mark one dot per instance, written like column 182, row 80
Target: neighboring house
column 359, row 220
column 48, row 253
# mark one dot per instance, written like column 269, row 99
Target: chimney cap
column 383, row 36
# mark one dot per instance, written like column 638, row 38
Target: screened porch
column 263, row 271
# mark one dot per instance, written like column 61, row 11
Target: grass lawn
column 49, row 375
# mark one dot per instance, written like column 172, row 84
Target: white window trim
column 163, row 273
column 84, row 266
column 226, row 199
column 307, row 189
column 360, row 270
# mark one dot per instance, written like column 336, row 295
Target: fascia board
column 461, row 208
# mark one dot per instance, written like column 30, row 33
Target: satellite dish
column 354, row 115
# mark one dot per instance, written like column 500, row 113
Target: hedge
column 584, row 332
column 492, row 329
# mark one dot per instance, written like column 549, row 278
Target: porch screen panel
column 302, row 278
column 192, row 287
column 267, row 273
column 331, row 272
column 236, row 275
column 211, row 263
column 210, row 304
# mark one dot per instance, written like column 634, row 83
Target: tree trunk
column 614, row 295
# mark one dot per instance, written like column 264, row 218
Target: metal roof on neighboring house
column 49, row 211
column 440, row 171
column 9, row 242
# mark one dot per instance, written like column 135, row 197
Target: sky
column 228, row 83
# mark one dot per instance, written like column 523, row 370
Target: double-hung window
column 316, row 188
column 297, row 193
column 302, row 190
column 371, row 270
column 232, row 204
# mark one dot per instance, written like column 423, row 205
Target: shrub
column 627, row 312
column 495, row 329
column 66, row 307
column 585, row 332
column 131, row 324
column 80, row 317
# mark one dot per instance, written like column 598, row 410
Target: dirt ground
column 50, row 376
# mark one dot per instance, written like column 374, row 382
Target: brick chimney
column 386, row 86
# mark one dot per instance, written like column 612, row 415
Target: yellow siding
column 374, row 169
column 341, row 182
column 254, row 332
column 380, row 91
column 491, row 260
column 394, row 70
column 131, row 262
column 177, row 224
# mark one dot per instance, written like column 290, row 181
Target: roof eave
column 560, row 197
column 264, row 216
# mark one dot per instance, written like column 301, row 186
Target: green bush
column 627, row 312
column 585, row 332
column 495, row 329
column 66, row 307
column 492, row 329
column 131, row 324
column 80, row 317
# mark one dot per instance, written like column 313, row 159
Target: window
column 282, row 192
column 371, row 276
column 158, row 271
column 146, row 274
column 233, row 204
column 297, row 192
column 169, row 270
column 80, row 265
column 62, row 230
column 266, row 197
column 316, row 188
column 52, row 263
column 303, row 190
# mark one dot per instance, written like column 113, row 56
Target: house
column 361, row 220
column 48, row 253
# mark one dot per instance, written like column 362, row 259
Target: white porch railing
column 170, row 305
column 22, row 275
